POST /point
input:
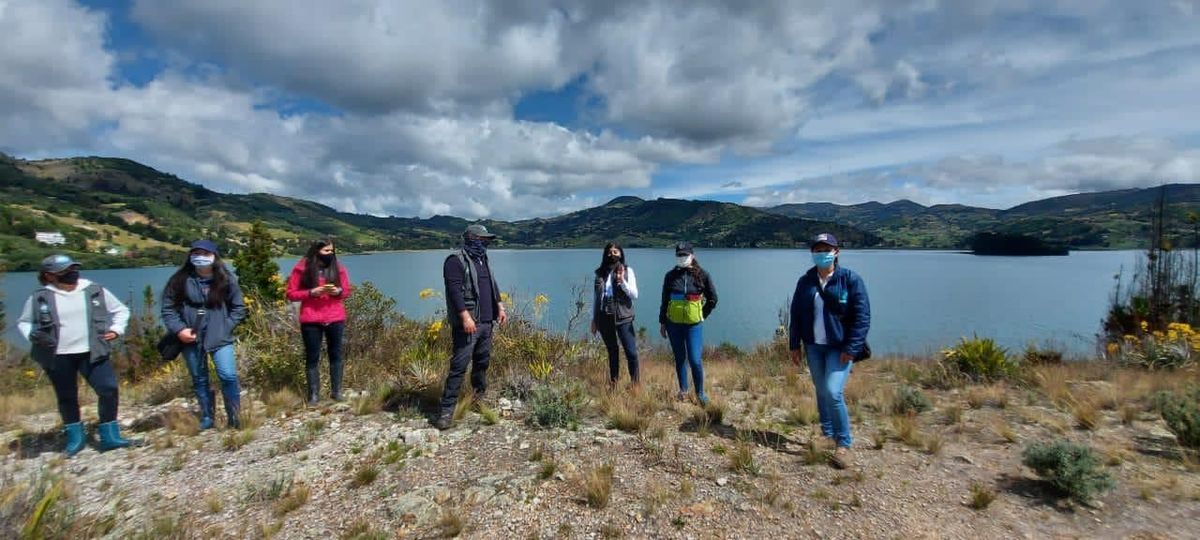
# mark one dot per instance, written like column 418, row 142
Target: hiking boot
column 444, row 421
column 841, row 458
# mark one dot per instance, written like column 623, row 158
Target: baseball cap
column 683, row 248
column 57, row 263
column 206, row 245
column 478, row 230
column 823, row 238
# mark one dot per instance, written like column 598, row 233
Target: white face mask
column 203, row 261
column 683, row 261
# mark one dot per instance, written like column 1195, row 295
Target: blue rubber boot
column 76, row 438
column 111, row 439
column 206, row 401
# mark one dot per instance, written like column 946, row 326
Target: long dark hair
column 696, row 271
column 604, row 268
column 313, row 266
column 218, row 290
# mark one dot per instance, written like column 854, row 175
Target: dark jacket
column 216, row 326
column 852, row 306
column 462, row 287
column 44, row 336
column 622, row 302
column 679, row 281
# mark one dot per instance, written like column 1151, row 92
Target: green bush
column 981, row 359
column 1181, row 412
column 1071, row 468
column 1036, row 356
column 909, row 399
column 1151, row 352
column 556, row 405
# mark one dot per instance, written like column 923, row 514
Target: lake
column 922, row 301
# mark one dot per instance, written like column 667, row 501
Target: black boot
column 444, row 420
column 314, row 386
column 233, row 406
column 335, row 381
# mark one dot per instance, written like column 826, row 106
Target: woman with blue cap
column 71, row 324
column 830, row 317
column 201, row 306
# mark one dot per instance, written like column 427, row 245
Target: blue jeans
column 223, row 359
column 829, row 376
column 687, row 342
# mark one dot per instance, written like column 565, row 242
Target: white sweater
column 72, row 317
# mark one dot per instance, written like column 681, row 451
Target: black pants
column 611, row 333
column 332, row 333
column 64, row 374
column 475, row 350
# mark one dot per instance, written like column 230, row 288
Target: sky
column 512, row 109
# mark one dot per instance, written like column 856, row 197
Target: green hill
column 1103, row 220
column 146, row 216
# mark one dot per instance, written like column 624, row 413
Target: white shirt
column 819, row 336
column 630, row 284
column 72, row 317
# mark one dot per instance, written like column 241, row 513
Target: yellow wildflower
column 1145, row 326
column 427, row 293
column 30, row 373
column 504, row 297
column 1112, row 348
column 541, row 300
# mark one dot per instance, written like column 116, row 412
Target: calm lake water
column 921, row 301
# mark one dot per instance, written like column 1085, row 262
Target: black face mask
column 612, row 259
column 69, row 277
column 325, row 257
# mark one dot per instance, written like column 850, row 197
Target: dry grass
column 1086, row 413
column 282, row 401
column 803, row 413
column 953, row 415
column 982, row 496
column 213, row 502
column 451, row 523
column 597, row 485
column 742, row 460
column 365, row 475
column 296, row 496
column 181, row 422
column 15, row 405
column 994, row 395
column 234, row 440
column 906, row 430
column 628, row 416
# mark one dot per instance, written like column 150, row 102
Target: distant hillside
column 1110, row 219
column 144, row 216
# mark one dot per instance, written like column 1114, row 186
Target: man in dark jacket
column 473, row 306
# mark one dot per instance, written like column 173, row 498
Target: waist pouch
column 685, row 308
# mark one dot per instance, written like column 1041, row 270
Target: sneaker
column 841, row 458
column 682, row 396
column 444, row 421
column 703, row 399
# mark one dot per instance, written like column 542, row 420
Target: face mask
column 475, row 247
column 69, row 277
column 612, row 259
column 683, row 261
column 823, row 259
column 203, row 261
column 325, row 257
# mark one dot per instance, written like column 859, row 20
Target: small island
column 1018, row 245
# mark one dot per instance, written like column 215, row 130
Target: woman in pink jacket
column 321, row 284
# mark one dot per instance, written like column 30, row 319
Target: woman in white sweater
column 71, row 324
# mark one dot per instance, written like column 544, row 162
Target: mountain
column 1108, row 219
column 144, row 216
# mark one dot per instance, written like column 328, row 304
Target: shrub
column 1154, row 351
column 980, row 359
column 1071, row 468
column 909, row 399
column 1035, row 356
column 597, row 485
column 1181, row 412
column 981, row 496
column 556, row 405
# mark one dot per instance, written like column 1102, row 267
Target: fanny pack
column 686, row 308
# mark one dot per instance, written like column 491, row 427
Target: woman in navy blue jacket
column 830, row 317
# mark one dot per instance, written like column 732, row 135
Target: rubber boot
column 111, row 439
column 205, row 401
column 233, row 406
column 76, row 438
column 313, row 391
column 335, row 381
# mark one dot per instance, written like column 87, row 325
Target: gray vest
column 44, row 336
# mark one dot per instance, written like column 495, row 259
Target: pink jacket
column 318, row 309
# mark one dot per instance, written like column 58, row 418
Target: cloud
column 407, row 108
column 993, row 181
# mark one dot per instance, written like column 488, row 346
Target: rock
column 722, row 481
column 524, row 446
column 964, row 459
column 38, row 423
column 420, row 508
column 505, row 404
column 478, row 495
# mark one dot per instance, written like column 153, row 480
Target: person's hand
column 662, row 330
column 595, row 330
column 847, row 357
column 468, row 323
column 110, row 335
column 187, row 335
column 503, row 316
column 318, row 291
column 797, row 356
column 619, row 275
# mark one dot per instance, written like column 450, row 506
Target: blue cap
column 206, row 245
column 57, row 263
column 823, row 238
